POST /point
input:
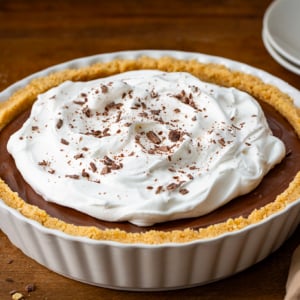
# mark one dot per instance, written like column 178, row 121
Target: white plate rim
column 277, row 56
column 275, row 5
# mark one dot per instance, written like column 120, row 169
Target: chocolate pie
column 184, row 142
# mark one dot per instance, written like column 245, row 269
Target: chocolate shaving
column 104, row 89
column 65, row 142
column 136, row 106
column 59, row 123
column 105, row 170
column 151, row 151
column 85, row 174
column 43, row 163
column 111, row 163
column 222, row 142
column 234, row 126
column 87, row 111
column 119, row 116
column 107, row 161
column 190, row 176
column 95, row 133
column 159, row 189
column 106, row 132
column 130, row 94
column 186, row 99
column 79, row 155
column 113, row 105
column 153, row 94
column 183, row 191
column 174, row 135
column 172, row 186
column 153, row 137
column 164, row 148
column 79, row 102
column 115, row 166
column 143, row 114
column 155, row 111
column 93, row 167
column 138, row 140
column 73, row 176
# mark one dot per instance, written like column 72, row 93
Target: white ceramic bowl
column 150, row 267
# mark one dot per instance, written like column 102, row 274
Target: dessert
column 149, row 136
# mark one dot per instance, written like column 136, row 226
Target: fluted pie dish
column 149, row 170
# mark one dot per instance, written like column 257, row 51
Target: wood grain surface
column 37, row 34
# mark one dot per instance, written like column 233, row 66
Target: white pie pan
column 150, row 267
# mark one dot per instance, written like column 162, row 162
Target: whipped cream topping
column 144, row 146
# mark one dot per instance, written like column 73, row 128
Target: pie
column 279, row 188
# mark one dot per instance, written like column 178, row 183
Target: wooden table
column 37, row 34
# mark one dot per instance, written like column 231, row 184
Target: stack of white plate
column 281, row 33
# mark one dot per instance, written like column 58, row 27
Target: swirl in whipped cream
column 144, row 146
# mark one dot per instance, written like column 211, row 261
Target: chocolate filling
column 274, row 183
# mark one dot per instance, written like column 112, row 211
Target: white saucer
column 282, row 24
column 277, row 56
